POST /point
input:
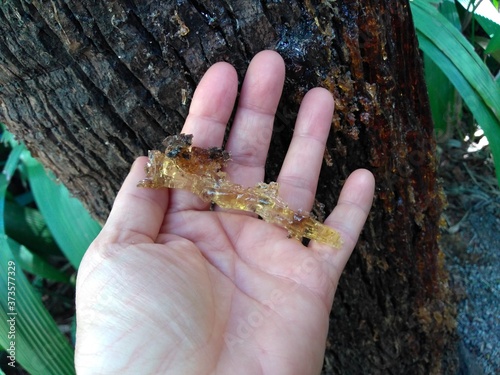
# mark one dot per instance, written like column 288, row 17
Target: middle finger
column 251, row 132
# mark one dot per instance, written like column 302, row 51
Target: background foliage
column 45, row 232
column 461, row 45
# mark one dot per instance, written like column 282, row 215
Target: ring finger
column 299, row 174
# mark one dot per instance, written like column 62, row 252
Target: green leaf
column 449, row 10
column 7, row 137
column 480, row 110
column 33, row 263
column 494, row 44
column 442, row 97
column 12, row 161
column 28, row 330
column 69, row 222
column 27, row 226
column 39, row 345
column 454, row 55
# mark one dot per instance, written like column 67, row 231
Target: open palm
column 171, row 287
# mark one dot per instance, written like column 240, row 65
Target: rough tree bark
column 91, row 85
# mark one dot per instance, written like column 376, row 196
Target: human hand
column 170, row 287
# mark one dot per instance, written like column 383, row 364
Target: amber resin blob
column 199, row 170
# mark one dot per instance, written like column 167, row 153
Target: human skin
column 172, row 287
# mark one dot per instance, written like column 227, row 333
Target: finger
column 252, row 128
column 212, row 105
column 210, row 110
column 137, row 213
column 349, row 217
column 299, row 174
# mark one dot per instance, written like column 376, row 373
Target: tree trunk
column 91, row 85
